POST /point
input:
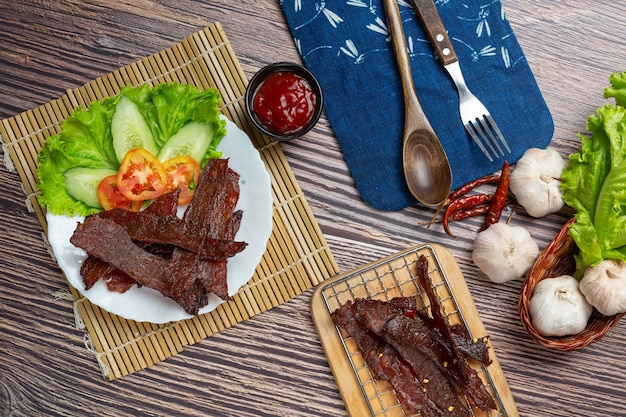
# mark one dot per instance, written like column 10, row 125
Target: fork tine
column 498, row 133
column 484, row 132
column 477, row 141
column 489, row 133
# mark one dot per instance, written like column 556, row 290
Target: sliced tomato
column 183, row 173
column 110, row 196
column 141, row 176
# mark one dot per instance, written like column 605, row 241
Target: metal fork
column 475, row 117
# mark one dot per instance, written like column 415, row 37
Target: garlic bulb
column 535, row 181
column 504, row 252
column 604, row 286
column 558, row 308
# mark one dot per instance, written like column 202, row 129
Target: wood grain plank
column 49, row 47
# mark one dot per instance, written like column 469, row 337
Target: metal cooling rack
column 396, row 277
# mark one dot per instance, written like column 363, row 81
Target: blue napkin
column 347, row 46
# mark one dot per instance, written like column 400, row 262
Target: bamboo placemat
column 297, row 256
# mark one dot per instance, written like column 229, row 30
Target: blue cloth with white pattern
column 347, row 46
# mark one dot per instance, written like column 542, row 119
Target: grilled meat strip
column 418, row 352
column 385, row 363
column 214, row 201
column 93, row 269
column 367, row 342
column 410, row 390
column 150, row 228
column 464, row 376
column 416, row 345
column 184, row 259
column 111, row 243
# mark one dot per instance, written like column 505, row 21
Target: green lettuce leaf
column 168, row 107
column 617, row 89
column 594, row 184
column 85, row 138
column 84, row 141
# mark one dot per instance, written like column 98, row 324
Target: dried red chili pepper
column 467, row 202
column 470, row 212
column 464, row 189
column 499, row 199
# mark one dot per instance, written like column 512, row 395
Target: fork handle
column 436, row 31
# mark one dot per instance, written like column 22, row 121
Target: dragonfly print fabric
column 346, row 44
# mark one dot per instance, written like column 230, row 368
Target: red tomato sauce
column 284, row 102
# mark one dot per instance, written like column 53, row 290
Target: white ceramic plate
column 146, row 304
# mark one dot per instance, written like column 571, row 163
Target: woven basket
column 555, row 260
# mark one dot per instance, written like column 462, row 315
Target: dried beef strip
column 197, row 218
column 415, row 345
column 410, row 390
column 118, row 281
column 367, row 342
column 365, row 320
column 476, row 349
column 165, row 205
column 466, row 378
column 214, row 273
column 93, row 269
column 193, row 299
column 183, row 269
column 168, row 229
column 108, row 241
column 406, row 304
column 209, row 217
column 219, row 283
column 181, row 272
column 214, row 277
column 219, row 214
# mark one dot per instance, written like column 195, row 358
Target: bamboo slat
column 297, row 256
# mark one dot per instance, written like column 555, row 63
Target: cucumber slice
column 82, row 183
column 193, row 139
column 130, row 130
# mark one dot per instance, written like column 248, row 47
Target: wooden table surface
column 273, row 363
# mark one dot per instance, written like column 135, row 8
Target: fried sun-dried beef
column 184, row 259
column 422, row 357
column 93, row 269
column 110, row 242
column 208, row 217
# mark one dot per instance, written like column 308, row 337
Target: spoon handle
column 436, row 31
column 396, row 33
column 415, row 117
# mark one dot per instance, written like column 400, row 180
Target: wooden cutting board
column 394, row 276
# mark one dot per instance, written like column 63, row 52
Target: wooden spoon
column 426, row 166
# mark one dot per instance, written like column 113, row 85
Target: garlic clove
column 558, row 308
column 604, row 286
column 504, row 252
column 535, row 181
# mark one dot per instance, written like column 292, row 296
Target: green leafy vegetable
column 85, row 139
column 594, row 182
